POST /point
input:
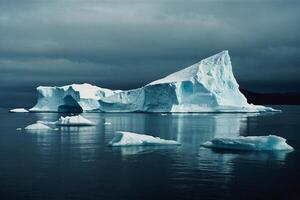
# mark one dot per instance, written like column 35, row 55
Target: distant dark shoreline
column 272, row 98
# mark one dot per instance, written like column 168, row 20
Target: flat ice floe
column 37, row 126
column 18, row 110
column 253, row 143
column 123, row 138
column 77, row 120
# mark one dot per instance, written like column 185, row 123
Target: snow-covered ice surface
column 18, row 110
column 207, row 86
column 251, row 143
column 123, row 138
column 37, row 126
column 76, row 120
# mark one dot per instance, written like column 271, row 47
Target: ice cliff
column 207, row 86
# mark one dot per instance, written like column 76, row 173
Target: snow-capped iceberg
column 250, row 143
column 18, row 110
column 207, row 86
column 123, row 138
column 77, row 120
column 37, row 126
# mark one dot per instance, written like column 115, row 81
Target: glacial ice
column 123, row 138
column 76, row 120
column 18, row 110
column 207, row 86
column 253, row 143
column 70, row 98
column 37, row 126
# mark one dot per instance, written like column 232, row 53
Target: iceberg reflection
column 191, row 130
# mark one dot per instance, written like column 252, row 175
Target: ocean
column 77, row 163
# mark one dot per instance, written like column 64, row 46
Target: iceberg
column 18, row 110
column 250, row 143
column 37, row 126
column 207, row 86
column 123, row 138
column 77, row 120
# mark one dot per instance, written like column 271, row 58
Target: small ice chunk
column 77, row 120
column 123, row 138
column 37, row 126
column 19, row 129
column 107, row 123
column 253, row 143
column 18, row 110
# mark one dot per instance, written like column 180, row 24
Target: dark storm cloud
column 129, row 43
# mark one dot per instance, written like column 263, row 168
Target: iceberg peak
column 206, row 66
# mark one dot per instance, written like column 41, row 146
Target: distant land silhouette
column 272, row 98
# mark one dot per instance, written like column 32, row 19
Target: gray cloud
column 123, row 44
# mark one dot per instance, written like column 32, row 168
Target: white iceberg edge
column 250, row 143
column 123, row 138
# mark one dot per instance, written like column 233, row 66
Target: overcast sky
column 125, row 44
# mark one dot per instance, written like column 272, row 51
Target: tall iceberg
column 207, row 86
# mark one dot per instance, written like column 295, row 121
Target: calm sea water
column 76, row 163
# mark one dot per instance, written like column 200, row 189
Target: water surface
column 76, row 163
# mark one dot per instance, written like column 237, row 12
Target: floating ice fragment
column 77, row 120
column 37, row 126
column 18, row 110
column 19, row 129
column 123, row 138
column 253, row 143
